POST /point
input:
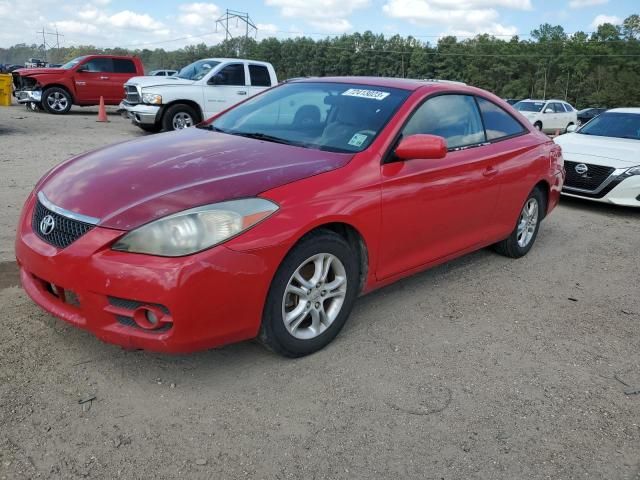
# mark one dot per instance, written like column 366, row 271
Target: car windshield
column 614, row 124
column 529, row 106
column 196, row 70
column 336, row 117
column 73, row 63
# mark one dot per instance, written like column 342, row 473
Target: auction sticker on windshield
column 362, row 93
column 357, row 140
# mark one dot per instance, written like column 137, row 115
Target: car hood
column 25, row 72
column 132, row 183
column 608, row 151
column 153, row 81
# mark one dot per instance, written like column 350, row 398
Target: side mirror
column 216, row 79
column 421, row 146
column 572, row 128
column 549, row 110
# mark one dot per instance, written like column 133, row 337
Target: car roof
column 543, row 101
column 389, row 82
column 224, row 59
column 635, row 110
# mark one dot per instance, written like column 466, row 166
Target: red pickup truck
column 81, row 81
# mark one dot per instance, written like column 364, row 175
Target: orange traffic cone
column 102, row 112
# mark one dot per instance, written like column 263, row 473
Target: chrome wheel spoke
column 314, row 296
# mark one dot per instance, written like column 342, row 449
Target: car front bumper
column 210, row 299
column 141, row 114
column 27, row 96
column 622, row 190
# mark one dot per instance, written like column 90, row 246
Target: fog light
column 148, row 317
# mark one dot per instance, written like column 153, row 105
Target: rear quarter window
column 498, row 123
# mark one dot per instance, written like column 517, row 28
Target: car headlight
column 196, row 229
column 632, row 171
column 152, row 98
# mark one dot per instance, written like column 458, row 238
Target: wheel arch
column 544, row 186
column 59, row 85
column 354, row 238
column 190, row 103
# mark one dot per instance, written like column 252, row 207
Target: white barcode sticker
column 364, row 93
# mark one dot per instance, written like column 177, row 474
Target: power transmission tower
column 44, row 41
column 240, row 18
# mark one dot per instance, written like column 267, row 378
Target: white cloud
column 465, row 18
column 586, row 3
column 602, row 19
column 326, row 15
column 198, row 14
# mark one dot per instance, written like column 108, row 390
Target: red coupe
column 270, row 219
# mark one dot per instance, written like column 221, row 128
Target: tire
column 56, row 100
column 177, row 115
column 538, row 125
column 516, row 245
column 323, row 310
column 151, row 128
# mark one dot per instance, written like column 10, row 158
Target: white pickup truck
column 195, row 93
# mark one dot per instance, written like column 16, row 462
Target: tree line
column 600, row 68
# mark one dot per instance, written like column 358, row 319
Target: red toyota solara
column 271, row 218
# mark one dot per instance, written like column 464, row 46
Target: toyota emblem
column 47, row 224
column 581, row 169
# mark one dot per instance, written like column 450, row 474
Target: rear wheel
column 178, row 117
column 538, row 125
column 56, row 100
column 311, row 295
column 525, row 232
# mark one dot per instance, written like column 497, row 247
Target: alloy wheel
column 182, row 120
column 314, row 296
column 527, row 222
column 57, row 101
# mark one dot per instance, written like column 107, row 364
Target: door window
column 557, row 107
column 497, row 122
column 454, row 117
column 99, row 65
column 259, row 75
column 123, row 65
column 231, row 75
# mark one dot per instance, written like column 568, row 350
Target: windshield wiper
column 211, row 127
column 263, row 136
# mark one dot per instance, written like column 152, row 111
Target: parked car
column 588, row 113
column 198, row 91
column 512, row 101
column 82, row 81
column 602, row 158
column 548, row 115
column 35, row 63
column 271, row 218
column 162, row 73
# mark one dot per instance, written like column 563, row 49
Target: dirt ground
column 483, row 368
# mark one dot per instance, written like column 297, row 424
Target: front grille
column 591, row 180
column 131, row 94
column 65, row 230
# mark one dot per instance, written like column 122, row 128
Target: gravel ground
column 482, row 368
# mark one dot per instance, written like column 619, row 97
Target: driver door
column 226, row 88
column 433, row 208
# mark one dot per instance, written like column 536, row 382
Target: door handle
column 490, row 172
column 241, row 92
column 104, row 78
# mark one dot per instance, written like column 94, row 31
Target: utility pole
column 239, row 17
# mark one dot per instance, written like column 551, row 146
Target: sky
column 173, row 24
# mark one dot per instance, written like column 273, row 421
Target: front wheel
column 56, row 100
column 178, row 117
column 525, row 232
column 311, row 295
